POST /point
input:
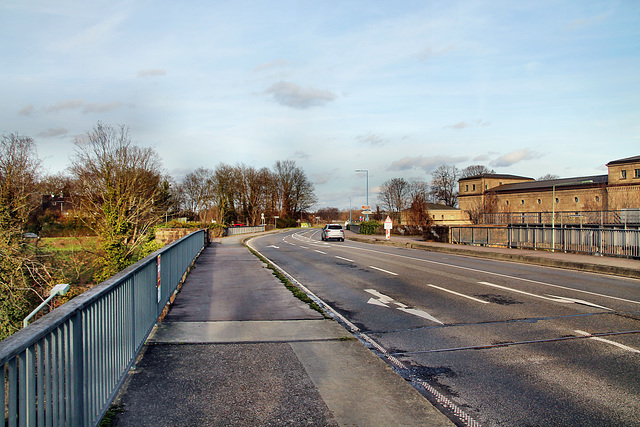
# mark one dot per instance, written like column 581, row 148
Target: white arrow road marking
column 384, row 271
column 377, row 302
column 383, row 301
column 459, row 294
column 617, row 344
column 381, row 297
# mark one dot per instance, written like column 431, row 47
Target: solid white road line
column 488, row 272
column 617, row 344
column 384, row 271
column 460, row 295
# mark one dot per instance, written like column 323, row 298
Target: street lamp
column 60, row 289
column 367, row 171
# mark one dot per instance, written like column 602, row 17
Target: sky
column 394, row 87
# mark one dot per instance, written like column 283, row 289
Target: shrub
column 369, row 227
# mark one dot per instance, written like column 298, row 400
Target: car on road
column 332, row 231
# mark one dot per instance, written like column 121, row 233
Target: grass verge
column 297, row 292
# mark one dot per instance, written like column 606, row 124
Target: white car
column 332, row 231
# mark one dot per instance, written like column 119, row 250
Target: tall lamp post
column 367, row 171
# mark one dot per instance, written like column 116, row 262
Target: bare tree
column 475, row 170
column 295, row 191
column 444, row 184
column 548, row 177
column 418, row 213
column 254, row 190
column 394, row 196
column 197, row 192
column 23, row 279
column 120, row 187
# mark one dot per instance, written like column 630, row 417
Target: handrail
column 614, row 242
column 66, row 367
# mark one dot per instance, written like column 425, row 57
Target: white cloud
column 26, row 111
column 51, row 133
column 102, row 108
column 514, row 157
column 152, row 72
column 66, row 105
column 294, row 96
column 300, row 155
column 425, row 163
column 371, row 139
column 278, row 63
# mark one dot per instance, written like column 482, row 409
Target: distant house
column 53, row 203
column 440, row 215
column 618, row 190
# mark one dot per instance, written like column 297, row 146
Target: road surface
column 489, row 342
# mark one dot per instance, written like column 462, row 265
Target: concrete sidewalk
column 596, row 264
column 237, row 348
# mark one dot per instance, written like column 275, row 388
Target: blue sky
column 398, row 88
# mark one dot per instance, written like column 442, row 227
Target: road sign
column 369, row 212
column 388, row 224
column 366, row 208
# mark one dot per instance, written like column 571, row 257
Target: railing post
column 77, row 371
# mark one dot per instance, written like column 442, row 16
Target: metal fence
column 596, row 241
column 623, row 217
column 66, row 368
column 232, row 231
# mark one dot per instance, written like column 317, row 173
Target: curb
column 547, row 262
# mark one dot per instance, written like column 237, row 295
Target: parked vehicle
column 332, row 231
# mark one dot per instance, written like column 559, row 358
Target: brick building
column 616, row 191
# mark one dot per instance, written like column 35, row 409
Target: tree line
column 413, row 195
column 119, row 193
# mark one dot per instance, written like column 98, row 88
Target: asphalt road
column 489, row 342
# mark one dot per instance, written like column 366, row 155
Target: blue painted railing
column 66, row 368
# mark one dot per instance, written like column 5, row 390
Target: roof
column 495, row 176
column 584, row 181
column 438, row 206
column 633, row 159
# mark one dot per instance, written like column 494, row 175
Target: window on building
column 557, row 200
column 486, row 187
column 623, row 174
column 575, row 199
column 507, row 203
column 522, row 202
column 474, row 187
column 539, row 201
column 597, row 198
column 636, row 173
column 466, row 188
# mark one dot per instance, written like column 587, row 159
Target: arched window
column 539, row 201
column 575, row 199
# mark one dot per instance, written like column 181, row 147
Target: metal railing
column 232, row 231
column 595, row 241
column 66, row 368
column 621, row 217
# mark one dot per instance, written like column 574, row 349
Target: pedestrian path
column 237, row 348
